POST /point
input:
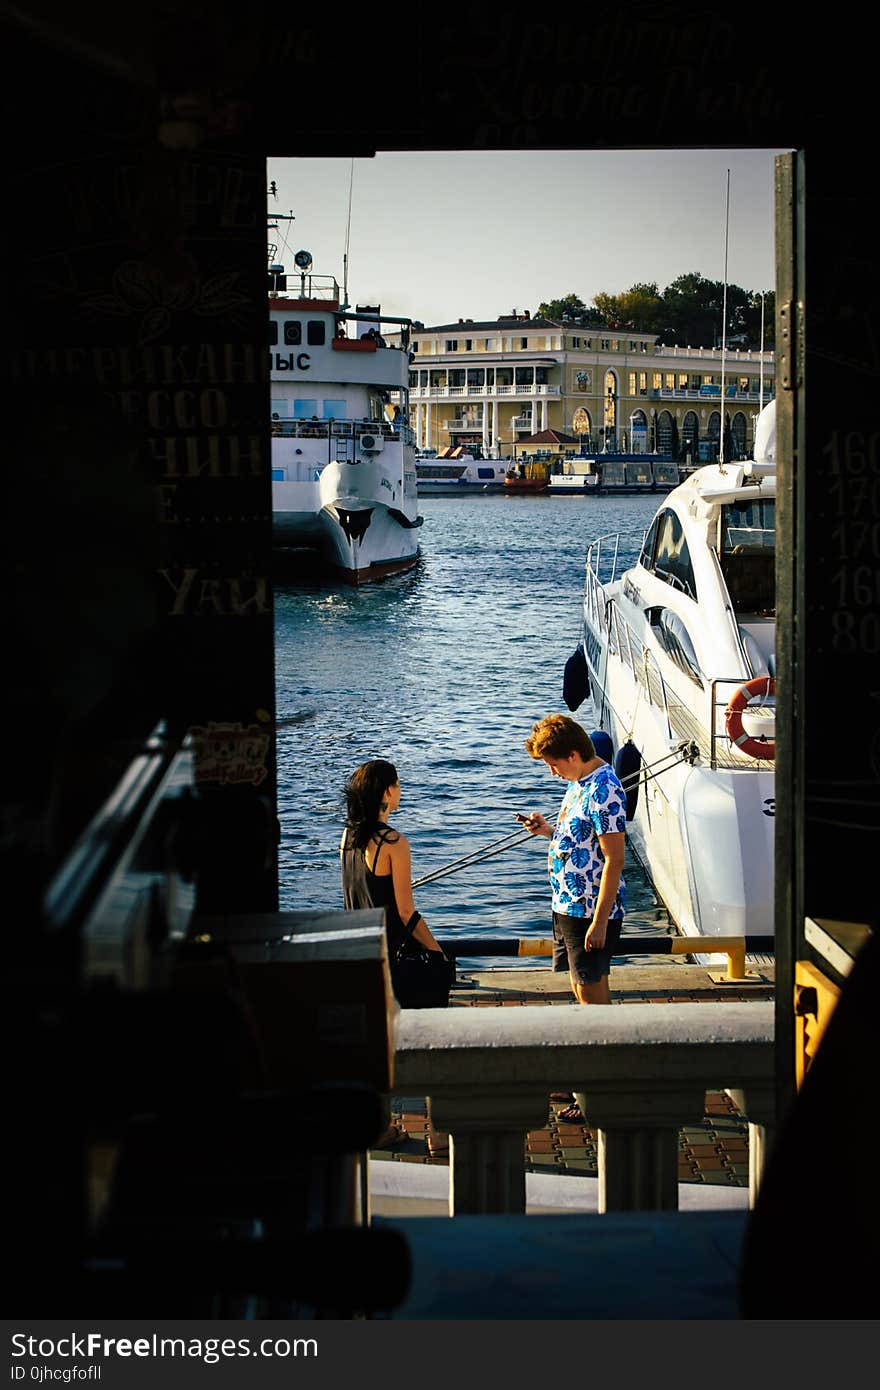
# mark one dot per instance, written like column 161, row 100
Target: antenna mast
column 724, row 325
column 347, row 235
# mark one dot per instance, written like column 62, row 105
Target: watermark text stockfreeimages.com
column 31, row 1353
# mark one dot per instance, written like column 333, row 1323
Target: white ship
column 679, row 651
column 455, row 471
column 343, row 456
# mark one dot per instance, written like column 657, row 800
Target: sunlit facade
column 490, row 384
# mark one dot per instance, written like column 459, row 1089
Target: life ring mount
column 739, row 700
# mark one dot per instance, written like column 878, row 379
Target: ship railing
column 289, row 428
column 308, row 286
column 721, row 750
column 710, row 735
column 600, row 569
column 640, row 1072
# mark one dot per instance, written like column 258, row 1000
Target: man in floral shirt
column 585, row 860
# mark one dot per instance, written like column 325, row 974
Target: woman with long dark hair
column 377, row 872
column 376, row 862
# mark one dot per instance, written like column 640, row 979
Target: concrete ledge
column 727, row 1045
column 410, row 1189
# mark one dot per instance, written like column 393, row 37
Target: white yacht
column 454, row 471
column 679, row 653
column 343, row 457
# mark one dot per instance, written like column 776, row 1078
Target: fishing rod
column 686, row 751
column 476, row 856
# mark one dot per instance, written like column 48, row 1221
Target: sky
column 444, row 235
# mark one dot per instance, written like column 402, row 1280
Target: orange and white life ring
column 755, row 747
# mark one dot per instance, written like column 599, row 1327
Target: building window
column 315, row 332
column 644, row 347
column 632, row 383
column 292, row 333
column 414, row 347
column 643, row 383
column 334, row 410
column 605, row 343
column 490, row 344
column 588, row 343
column 656, row 381
column 273, row 331
column 523, row 342
column 682, row 381
column 575, row 342
column 615, row 345
column 413, row 380
column 452, row 345
column 670, row 381
column 304, row 410
column 468, row 344
column 633, row 347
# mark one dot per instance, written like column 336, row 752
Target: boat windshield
column 748, row 526
column 748, row 554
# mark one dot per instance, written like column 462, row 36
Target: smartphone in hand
column 520, row 817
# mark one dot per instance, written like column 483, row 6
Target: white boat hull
column 384, row 548
column 704, row 836
column 296, row 514
column 370, row 519
column 356, row 516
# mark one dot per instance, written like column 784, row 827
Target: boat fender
column 575, row 679
column 755, row 747
column 627, row 765
column 601, row 741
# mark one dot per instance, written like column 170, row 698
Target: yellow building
column 490, row 384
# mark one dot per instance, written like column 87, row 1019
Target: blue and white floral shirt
column 594, row 806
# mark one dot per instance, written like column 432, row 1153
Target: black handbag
column 421, row 979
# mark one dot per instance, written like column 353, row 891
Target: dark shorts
column 585, row 967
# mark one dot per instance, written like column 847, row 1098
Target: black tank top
column 363, row 888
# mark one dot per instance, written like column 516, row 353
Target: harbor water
column 443, row 671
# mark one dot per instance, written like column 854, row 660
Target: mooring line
column 685, row 751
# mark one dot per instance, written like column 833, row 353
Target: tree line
column 688, row 313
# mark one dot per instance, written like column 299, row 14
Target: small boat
column 343, row 458
column 678, row 652
column 527, row 477
column 613, row 473
column 532, row 485
column 453, row 471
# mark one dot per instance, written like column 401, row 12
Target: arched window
column 666, row 433
column 610, row 418
column 638, row 430
column 738, row 431
column 690, row 434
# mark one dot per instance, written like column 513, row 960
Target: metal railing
column 736, row 948
column 501, row 389
column 286, row 427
